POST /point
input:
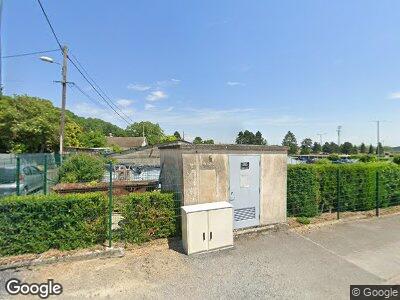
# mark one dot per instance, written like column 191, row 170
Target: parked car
column 30, row 180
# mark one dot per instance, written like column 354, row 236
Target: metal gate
column 244, row 191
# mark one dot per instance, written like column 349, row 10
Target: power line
column 101, row 90
column 51, row 26
column 109, row 103
column 94, row 88
column 29, row 53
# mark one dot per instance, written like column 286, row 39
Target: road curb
column 107, row 253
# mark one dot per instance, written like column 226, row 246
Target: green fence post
column 45, row 175
column 377, row 196
column 338, row 193
column 18, row 175
column 110, row 206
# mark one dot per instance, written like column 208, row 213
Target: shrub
column 149, row 216
column 396, row 159
column 303, row 220
column 323, row 161
column 34, row 224
column 82, row 168
column 333, row 157
column 313, row 188
column 303, row 191
column 367, row 158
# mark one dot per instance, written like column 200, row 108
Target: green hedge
column 312, row 189
column 34, row 224
column 149, row 216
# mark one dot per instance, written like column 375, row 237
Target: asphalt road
column 318, row 265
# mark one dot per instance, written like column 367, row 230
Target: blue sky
column 212, row 68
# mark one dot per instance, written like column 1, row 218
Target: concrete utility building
column 252, row 178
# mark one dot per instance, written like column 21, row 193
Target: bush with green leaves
column 313, row 189
column 367, row 158
column 149, row 216
column 396, row 159
column 82, row 168
column 37, row 223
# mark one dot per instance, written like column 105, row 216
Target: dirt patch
column 331, row 218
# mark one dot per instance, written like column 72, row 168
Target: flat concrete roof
column 224, row 148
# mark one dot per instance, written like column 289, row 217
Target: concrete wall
column 171, row 170
column 205, row 178
column 273, row 188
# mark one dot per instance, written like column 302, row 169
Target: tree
column 317, row 148
column 168, row 139
column 363, row 148
column 379, row 149
column 306, row 146
column 326, row 148
column 177, row 135
column 290, row 141
column 210, row 141
column 371, row 149
column 259, row 140
column 334, row 147
column 153, row 132
column 354, row 150
column 198, row 140
column 73, row 135
column 346, row 148
column 249, row 138
column 94, row 139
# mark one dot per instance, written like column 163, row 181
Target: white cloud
column 171, row 108
column 156, row 95
column 124, row 102
column 139, row 87
column 168, row 82
column 234, row 83
column 395, row 95
column 149, row 106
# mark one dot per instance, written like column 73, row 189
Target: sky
column 213, row 68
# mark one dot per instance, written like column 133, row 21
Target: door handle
column 204, row 236
column 210, row 235
column 232, row 197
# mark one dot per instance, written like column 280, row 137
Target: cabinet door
column 197, row 230
column 220, row 227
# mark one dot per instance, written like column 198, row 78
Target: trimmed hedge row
column 313, row 189
column 148, row 216
column 35, row 224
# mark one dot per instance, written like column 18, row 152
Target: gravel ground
column 320, row 264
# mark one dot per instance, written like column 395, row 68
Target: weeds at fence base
column 330, row 218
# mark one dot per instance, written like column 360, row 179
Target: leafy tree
column 94, row 139
column 28, row 124
column 168, row 139
column 152, row 132
column 371, row 149
column 326, row 148
column 290, row 141
column 73, row 135
column 334, row 147
column 177, row 135
column 306, row 146
column 210, row 141
column 198, row 140
column 346, row 148
column 317, row 148
column 363, row 148
column 354, row 150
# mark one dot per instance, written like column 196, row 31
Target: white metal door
column 197, row 231
column 244, row 179
column 220, row 228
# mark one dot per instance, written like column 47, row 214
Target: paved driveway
column 317, row 265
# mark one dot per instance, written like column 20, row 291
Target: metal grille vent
column 244, row 214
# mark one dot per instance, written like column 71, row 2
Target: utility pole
column 63, row 98
column 378, row 150
column 1, row 67
column 339, row 130
column 320, row 137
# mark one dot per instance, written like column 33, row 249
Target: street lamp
column 64, row 92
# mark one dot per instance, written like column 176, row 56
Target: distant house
column 126, row 143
